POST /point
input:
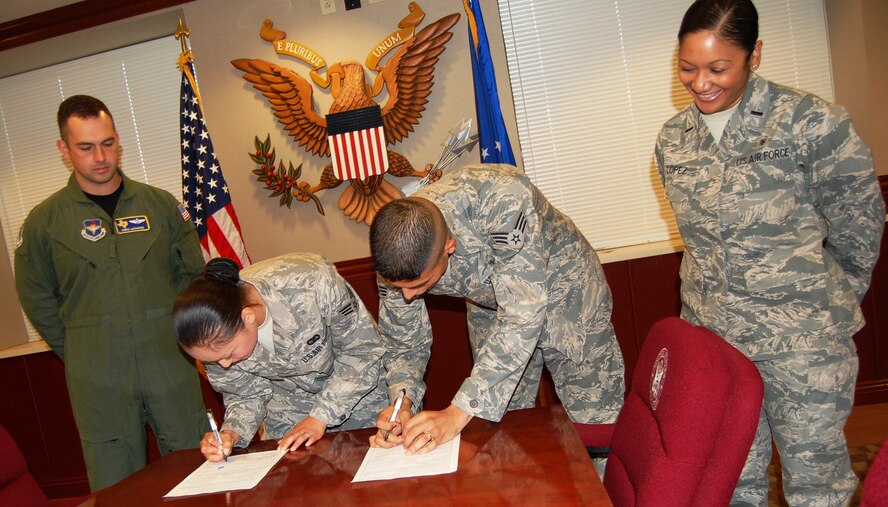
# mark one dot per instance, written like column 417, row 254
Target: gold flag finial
column 185, row 57
column 182, row 34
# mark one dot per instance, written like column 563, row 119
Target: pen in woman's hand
column 216, row 434
column 397, row 408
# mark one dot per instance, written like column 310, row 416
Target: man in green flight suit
column 98, row 266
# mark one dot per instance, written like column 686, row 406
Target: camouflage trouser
column 808, row 398
column 591, row 392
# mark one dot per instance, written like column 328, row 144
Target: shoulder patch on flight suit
column 138, row 223
column 93, row 229
column 184, row 211
column 513, row 238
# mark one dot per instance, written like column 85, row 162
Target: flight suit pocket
column 92, row 379
column 158, row 312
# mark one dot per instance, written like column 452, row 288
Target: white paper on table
column 383, row 464
column 240, row 472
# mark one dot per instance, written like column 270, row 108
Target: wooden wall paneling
column 451, row 361
column 865, row 340
column 623, row 315
column 66, row 475
column 73, row 17
column 879, row 309
column 18, row 414
column 655, row 290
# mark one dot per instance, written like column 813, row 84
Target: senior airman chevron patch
column 513, row 238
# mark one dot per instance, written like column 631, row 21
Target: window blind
column 593, row 81
column 140, row 86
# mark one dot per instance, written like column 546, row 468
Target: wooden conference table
column 532, row 457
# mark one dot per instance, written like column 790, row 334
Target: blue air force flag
column 492, row 135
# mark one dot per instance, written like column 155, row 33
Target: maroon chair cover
column 688, row 422
column 875, row 485
column 17, row 485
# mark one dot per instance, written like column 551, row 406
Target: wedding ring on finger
column 431, row 438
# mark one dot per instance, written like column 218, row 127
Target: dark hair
column 734, row 21
column 402, row 238
column 208, row 311
column 81, row 106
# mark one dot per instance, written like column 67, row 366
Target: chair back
column 688, row 422
column 875, row 485
column 17, row 485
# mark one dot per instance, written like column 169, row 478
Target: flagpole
column 204, row 191
column 186, row 60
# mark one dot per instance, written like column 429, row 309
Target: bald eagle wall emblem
column 362, row 125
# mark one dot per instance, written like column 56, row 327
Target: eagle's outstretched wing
column 409, row 75
column 290, row 98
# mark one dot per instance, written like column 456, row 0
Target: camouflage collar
column 753, row 111
column 755, row 106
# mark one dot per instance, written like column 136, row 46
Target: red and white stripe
column 359, row 154
column 224, row 238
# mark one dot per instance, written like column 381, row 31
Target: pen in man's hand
column 397, row 408
column 216, row 432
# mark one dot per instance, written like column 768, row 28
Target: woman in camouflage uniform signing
column 778, row 206
column 286, row 341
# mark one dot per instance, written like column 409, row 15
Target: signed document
column 383, row 464
column 240, row 472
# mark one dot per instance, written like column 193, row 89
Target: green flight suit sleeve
column 37, row 286
column 186, row 254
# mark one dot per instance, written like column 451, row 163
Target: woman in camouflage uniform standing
column 781, row 215
column 286, row 341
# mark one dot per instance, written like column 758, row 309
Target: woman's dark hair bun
column 222, row 269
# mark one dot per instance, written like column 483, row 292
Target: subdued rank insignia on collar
column 347, row 310
column 383, row 291
column 137, row 223
column 513, row 238
column 93, row 229
column 184, row 211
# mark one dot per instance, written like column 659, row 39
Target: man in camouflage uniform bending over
column 535, row 294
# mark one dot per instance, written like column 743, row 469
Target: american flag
column 203, row 187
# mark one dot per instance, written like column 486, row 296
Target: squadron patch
column 513, row 238
column 93, row 229
column 127, row 225
column 658, row 374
